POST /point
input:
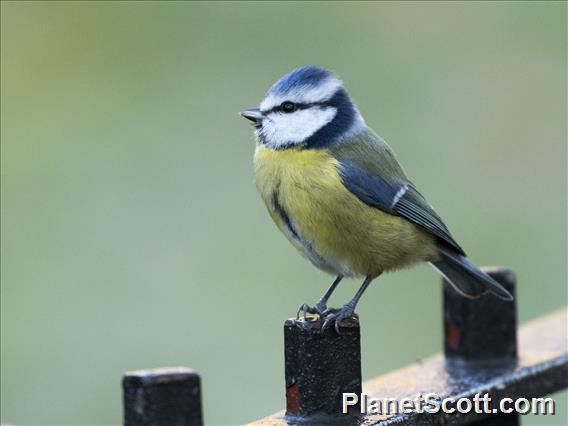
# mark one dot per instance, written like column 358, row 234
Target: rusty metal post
column 320, row 367
column 162, row 397
column 482, row 333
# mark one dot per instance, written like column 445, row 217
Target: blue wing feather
column 372, row 190
column 398, row 198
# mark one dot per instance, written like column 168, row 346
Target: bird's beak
column 254, row 115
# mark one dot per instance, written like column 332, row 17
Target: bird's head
column 308, row 107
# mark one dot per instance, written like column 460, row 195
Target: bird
column 336, row 190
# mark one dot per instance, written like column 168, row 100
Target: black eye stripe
column 299, row 106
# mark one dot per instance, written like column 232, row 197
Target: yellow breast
column 306, row 198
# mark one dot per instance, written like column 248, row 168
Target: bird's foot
column 329, row 311
column 319, row 309
column 337, row 315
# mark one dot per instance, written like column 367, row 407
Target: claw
column 307, row 309
column 319, row 309
column 337, row 316
column 302, row 309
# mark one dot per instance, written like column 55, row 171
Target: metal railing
column 484, row 353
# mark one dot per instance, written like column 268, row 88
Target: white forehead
column 304, row 94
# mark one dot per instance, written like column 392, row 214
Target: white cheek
column 280, row 129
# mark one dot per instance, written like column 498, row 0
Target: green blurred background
column 132, row 234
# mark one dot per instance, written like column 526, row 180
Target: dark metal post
column 321, row 366
column 162, row 397
column 484, row 328
column 482, row 332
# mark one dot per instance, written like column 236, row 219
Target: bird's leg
column 321, row 305
column 348, row 309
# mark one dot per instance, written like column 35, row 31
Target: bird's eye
column 288, row 107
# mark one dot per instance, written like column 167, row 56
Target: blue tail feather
column 465, row 277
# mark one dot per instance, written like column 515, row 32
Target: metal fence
column 484, row 353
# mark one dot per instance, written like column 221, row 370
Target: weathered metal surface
column 541, row 369
column 319, row 366
column 162, row 397
column 483, row 329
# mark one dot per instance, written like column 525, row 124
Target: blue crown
column 308, row 76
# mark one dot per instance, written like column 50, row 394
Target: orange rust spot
column 453, row 334
column 293, row 398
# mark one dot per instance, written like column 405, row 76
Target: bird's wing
column 369, row 169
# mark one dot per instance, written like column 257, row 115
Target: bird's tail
column 465, row 277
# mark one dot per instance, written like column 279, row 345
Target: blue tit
column 337, row 192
